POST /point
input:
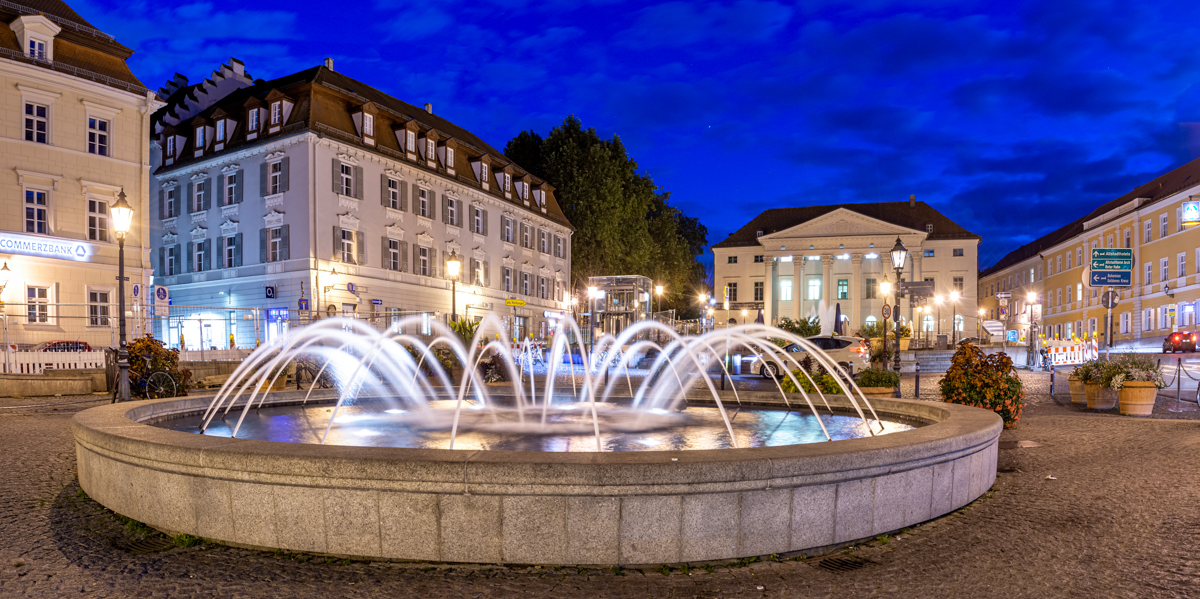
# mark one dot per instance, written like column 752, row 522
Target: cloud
column 678, row 24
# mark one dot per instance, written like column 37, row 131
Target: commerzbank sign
column 42, row 246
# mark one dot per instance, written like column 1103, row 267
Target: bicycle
column 151, row 384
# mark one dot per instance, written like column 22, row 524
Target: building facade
column 74, row 133
column 315, row 195
column 804, row 262
column 1166, row 274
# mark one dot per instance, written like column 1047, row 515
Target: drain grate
column 149, row 545
column 841, row 564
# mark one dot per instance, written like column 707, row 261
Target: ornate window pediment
column 230, row 168
column 453, row 247
column 509, row 262
column 169, row 184
column 229, row 227
column 394, row 232
column 169, row 239
column 348, row 221
column 479, row 254
column 199, row 176
column 425, row 240
column 275, row 155
column 273, row 219
column 348, row 159
column 199, row 233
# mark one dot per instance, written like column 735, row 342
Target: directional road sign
column 1112, row 259
column 516, row 303
column 1004, row 295
column 1113, row 278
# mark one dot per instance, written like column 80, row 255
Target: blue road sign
column 303, row 303
column 1112, row 259
column 1113, row 278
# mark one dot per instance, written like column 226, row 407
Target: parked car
column 842, row 349
column 62, row 346
column 1181, row 341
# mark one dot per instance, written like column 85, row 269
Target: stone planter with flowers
column 1136, row 379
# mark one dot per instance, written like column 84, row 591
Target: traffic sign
column 1111, row 278
column 1004, row 295
column 1112, row 259
column 1004, row 301
column 137, row 290
column 887, row 311
column 302, row 303
column 1109, row 299
column 376, row 302
column 515, row 303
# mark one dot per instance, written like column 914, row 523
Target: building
column 315, row 194
column 803, row 262
column 75, row 133
column 1166, row 274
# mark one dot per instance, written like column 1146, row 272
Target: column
column 797, row 286
column 827, row 288
column 917, row 275
column 856, row 290
column 769, row 290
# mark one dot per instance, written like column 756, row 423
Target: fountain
column 632, row 457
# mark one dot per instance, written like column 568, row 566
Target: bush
column 871, row 330
column 878, row 377
column 161, row 358
column 988, row 382
column 806, row 327
column 825, row 381
column 1088, row 372
column 1130, row 367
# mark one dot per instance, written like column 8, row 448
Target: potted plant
column 1078, row 381
column 878, row 382
column 983, row 381
column 1136, row 379
column 1100, row 394
column 905, row 336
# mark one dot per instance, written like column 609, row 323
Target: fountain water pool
column 719, row 485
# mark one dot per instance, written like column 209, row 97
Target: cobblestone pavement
column 1119, row 518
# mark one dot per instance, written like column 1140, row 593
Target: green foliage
column 623, row 222
column 443, row 355
column 882, row 354
column 871, row 330
column 983, row 381
column 878, row 377
column 1130, row 367
column 465, row 329
column 161, row 358
column 186, row 540
column 806, row 327
column 1089, row 371
column 779, row 342
column 825, row 381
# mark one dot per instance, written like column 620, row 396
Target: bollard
column 1178, row 380
column 917, row 385
column 1051, row 383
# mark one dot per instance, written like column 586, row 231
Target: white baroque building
column 315, row 194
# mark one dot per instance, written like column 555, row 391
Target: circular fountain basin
column 648, row 506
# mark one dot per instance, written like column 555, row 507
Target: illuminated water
column 376, row 424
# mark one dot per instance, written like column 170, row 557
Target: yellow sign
column 515, row 303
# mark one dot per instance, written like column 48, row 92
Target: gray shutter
column 221, row 250
column 237, row 186
column 403, row 256
column 358, row 182
column 221, row 191
column 416, row 263
column 207, row 253
column 237, row 252
column 262, row 180
column 208, row 193
column 285, row 242
column 191, row 250
column 383, row 190
column 162, row 262
column 403, row 195
column 416, row 197
column 175, row 249
column 385, row 254
column 445, row 209
column 471, row 272
column 337, row 243
column 262, row 245
column 162, row 204
column 191, row 190
column 360, row 243
column 337, row 176
column 485, row 223
column 433, row 271
column 285, row 182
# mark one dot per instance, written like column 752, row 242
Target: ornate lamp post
column 899, row 257
column 885, row 289
column 1031, row 360
column 703, row 308
column 453, row 267
column 937, row 299
column 122, row 214
column 979, row 325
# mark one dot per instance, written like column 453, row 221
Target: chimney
column 429, row 108
column 329, row 63
column 912, row 201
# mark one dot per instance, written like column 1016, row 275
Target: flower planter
column 1100, row 398
column 904, row 341
column 878, row 391
column 1137, row 397
column 1078, row 394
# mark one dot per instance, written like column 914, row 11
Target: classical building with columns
column 805, row 261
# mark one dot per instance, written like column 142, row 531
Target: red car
column 62, row 346
column 1182, row 341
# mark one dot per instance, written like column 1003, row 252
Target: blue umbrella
column 759, row 320
column 837, row 318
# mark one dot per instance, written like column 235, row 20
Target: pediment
column 840, row 223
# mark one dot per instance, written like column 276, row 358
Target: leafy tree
column 624, row 223
column 805, row 327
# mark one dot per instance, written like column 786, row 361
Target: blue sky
column 1012, row 118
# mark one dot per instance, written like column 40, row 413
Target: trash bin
column 737, row 364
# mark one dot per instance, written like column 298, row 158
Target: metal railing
column 73, row 70
column 26, row 10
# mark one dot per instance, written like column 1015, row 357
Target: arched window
column 927, row 323
column 871, row 319
column 958, row 322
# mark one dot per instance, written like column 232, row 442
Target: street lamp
column 885, row 289
column 937, row 299
column 5, row 274
column 592, row 292
column 122, row 214
column 1031, row 360
column 744, row 313
column 979, row 325
column 953, row 318
column 453, row 266
column 899, row 257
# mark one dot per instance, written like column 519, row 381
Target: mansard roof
column 911, row 215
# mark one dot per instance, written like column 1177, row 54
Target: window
column 1124, row 323
column 542, row 287
column 558, row 247
column 275, row 178
column 36, row 220
column 171, row 205
column 200, row 143
column 1058, row 263
column 483, row 174
column 276, row 112
column 393, row 191
column 275, row 244
column 1079, row 256
column 253, row 119
column 1162, row 270
column 369, row 125
column 758, row 259
column 732, row 287
column 1148, row 319
column 348, row 253
column 1069, row 264
column 1079, row 292
column 1164, row 318
column 97, row 220
column 98, row 137
column 229, row 256
column 525, row 284
column 411, row 141
column 430, row 148
column 230, row 188
column 452, row 212
column 449, row 157
column 423, row 261
column 732, row 260
column 171, row 146
column 171, row 261
column 1182, row 265
column 37, row 123
column 37, row 49
column 198, row 196
column 758, row 233
column 393, row 257
column 1149, row 277
column 785, row 290
column 37, row 308
column 957, row 252
column 198, row 256
column 478, row 276
column 758, row 291
column 1058, row 297
column 526, row 236
column 423, row 203
column 507, row 182
column 814, row 289
column 1110, row 242
column 221, row 130
column 543, row 242
column 98, row 308
column 346, row 182
column 870, row 289
column 508, row 279
column 843, row 289
column 958, row 283
column 1127, row 243
column 928, row 227
column 1146, row 233
column 928, row 253
column 508, row 229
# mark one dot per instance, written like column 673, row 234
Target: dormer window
column 483, row 176
column 200, row 138
column 253, row 119
column 507, row 182
column 368, row 125
column 758, row 233
column 221, row 130
column 276, row 112
column 928, row 227
column 37, row 49
column 450, row 158
column 430, row 149
column 411, row 141
column 171, row 146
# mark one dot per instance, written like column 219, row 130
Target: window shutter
column 284, row 180
column 416, row 199
column 175, row 251
column 162, row 203
column 262, row 246
column 385, row 254
column 237, row 187
column 383, row 190
column 337, row 243
column 433, row 271
column 221, row 250
column 208, row 193
column 262, row 180
column 237, row 251
column 487, row 274
column 221, row 191
column 416, row 259
column 191, row 192
column 403, row 256
column 191, row 251
column 358, row 186
column 337, row 176
column 285, row 243
column 445, row 209
column 485, row 223
column 471, row 275
column 162, row 262
column 403, row 195
column 360, row 243
column 207, row 253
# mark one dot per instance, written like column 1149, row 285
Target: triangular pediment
column 840, row 223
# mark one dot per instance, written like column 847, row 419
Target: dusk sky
column 1012, row 118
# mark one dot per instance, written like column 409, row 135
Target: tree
column 624, row 224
